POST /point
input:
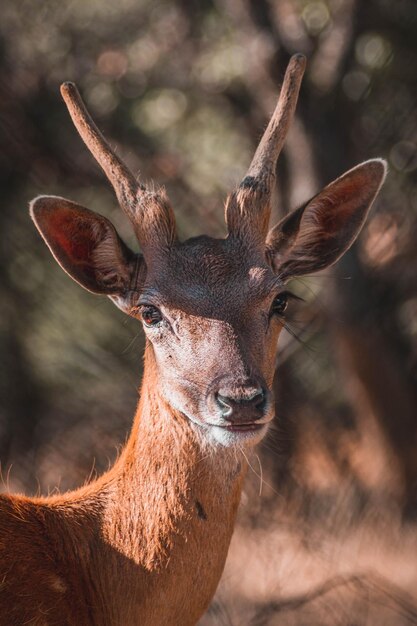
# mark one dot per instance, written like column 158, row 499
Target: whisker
column 260, row 476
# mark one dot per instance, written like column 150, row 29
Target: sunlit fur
column 128, row 548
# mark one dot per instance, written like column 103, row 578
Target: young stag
column 146, row 543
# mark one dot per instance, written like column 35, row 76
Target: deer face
column 212, row 309
column 208, row 312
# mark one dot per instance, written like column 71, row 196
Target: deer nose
column 244, row 404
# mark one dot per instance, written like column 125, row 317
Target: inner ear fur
column 317, row 234
column 86, row 245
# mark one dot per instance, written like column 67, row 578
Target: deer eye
column 280, row 303
column 150, row 315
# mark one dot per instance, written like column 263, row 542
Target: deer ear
column 317, row 234
column 87, row 246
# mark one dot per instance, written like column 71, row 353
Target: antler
column 149, row 211
column 248, row 208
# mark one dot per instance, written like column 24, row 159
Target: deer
column 146, row 542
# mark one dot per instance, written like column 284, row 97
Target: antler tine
column 250, row 203
column 149, row 211
column 266, row 155
column 123, row 181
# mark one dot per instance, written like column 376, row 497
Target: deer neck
column 169, row 508
column 167, row 480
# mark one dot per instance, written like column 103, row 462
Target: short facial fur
column 217, row 330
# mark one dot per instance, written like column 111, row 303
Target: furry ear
column 87, row 246
column 317, row 234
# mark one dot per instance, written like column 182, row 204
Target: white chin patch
column 229, row 438
column 217, row 435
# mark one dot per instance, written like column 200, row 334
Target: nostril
column 259, row 400
column 256, row 398
column 225, row 404
column 255, row 395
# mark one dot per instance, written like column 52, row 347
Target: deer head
column 212, row 309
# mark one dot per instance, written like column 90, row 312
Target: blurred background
column 327, row 530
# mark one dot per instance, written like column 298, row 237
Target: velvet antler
column 149, row 211
column 248, row 208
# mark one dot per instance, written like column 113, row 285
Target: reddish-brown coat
column 145, row 543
